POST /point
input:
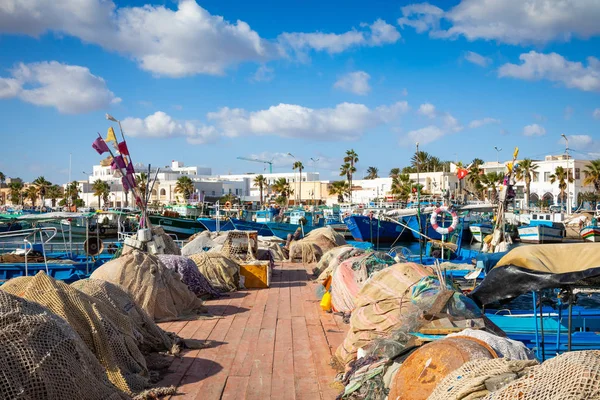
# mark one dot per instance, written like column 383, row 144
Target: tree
column 282, row 187
column 141, row 182
column 561, row 176
column 339, row 188
column 16, row 193
column 592, row 175
column 402, row 187
column 2, row 178
column 420, row 161
column 525, row 171
column 102, row 190
column 474, row 178
column 477, row 162
column 408, row 170
column 185, row 186
column 434, row 164
column 72, row 193
column 261, row 182
column 54, row 192
column 394, row 172
column 299, row 166
column 349, row 167
column 42, row 186
column 372, row 173
column 31, row 192
column 490, row 181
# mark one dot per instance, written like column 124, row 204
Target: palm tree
column 351, row 158
column 102, row 190
column 490, row 181
column 185, row 186
column 420, row 160
column 141, row 182
column 525, row 172
column 42, row 186
column 434, row 164
column 31, row 192
column 394, row 172
column 299, row 166
column 339, row 188
column 16, row 193
column 561, row 176
column 2, row 179
column 477, row 162
column 261, row 182
column 372, row 173
column 54, row 192
column 408, row 170
column 474, row 178
column 72, row 193
column 401, row 187
column 592, row 175
column 282, row 187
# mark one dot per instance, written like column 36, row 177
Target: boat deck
column 268, row 343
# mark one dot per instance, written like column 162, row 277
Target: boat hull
column 281, row 229
column 365, row 229
column 480, row 231
column 261, row 228
column 427, row 229
column 591, row 233
column 211, row 225
column 80, row 231
column 540, row 234
column 178, row 226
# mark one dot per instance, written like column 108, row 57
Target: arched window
column 548, row 198
column 163, row 192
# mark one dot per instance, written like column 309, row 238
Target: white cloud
column 508, row 21
column 425, row 135
column 427, row 109
column 451, row 123
column 481, row 122
column 555, row 68
column 355, row 82
column 347, row 121
column 376, row 34
column 568, row 112
column 534, row 130
column 162, row 125
column 263, row 74
column 596, row 113
column 71, row 89
column 579, row 142
column 477, row 59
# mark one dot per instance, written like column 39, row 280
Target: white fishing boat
column 543, row 228
column 480, row 231
column 590, row 233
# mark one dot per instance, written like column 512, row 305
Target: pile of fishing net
column 150, row 337
column 334, row 257
column 350, row 276
column 198, row 243
column 316, row 243
column 277, row 251
column 170, row 245
column 190, row 275
column 222, row 272
column 108, row 333
column 573, row 375
column 42, row 357
column 157, row 289
column 240, row 245
column 382, row 306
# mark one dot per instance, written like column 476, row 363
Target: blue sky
column 206, row 82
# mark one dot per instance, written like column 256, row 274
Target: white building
column 290, row 177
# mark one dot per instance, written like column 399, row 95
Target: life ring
column 439, row 229
column 228, row 205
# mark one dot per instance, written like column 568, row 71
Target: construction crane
column 260, row 161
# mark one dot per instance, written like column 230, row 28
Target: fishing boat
column 372, row 229
column 590, row 233
column 181, row 220
column 543, row 228
column 480, row 230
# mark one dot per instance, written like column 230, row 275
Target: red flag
column 123, row 148
column 100, row 146
column 461, row 173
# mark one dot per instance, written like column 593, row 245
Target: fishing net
column 316, row 243
column 222, row 272
column 198, row 243
column 241, row 245
column 337, row 256
column 108, row 333
column 170, row 245
column 380, row 307
column 349, row 277
column 277, row 251
column 327, row 258
column 190, row 275
column 150, row 337
column 42, row 357
column 504, row 347
column 155, row 288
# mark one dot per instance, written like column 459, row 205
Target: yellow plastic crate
column 257, row 274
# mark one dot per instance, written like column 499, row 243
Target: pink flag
column 123, row 148
column 118, row 162
column 129, row 168
column 100, row 146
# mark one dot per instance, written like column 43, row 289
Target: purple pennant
column 118, row 162
column 100, row 146
column 130, row 169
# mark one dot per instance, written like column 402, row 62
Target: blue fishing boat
column 288, row 223
column 210, row 224
column 371, row 229
column 243, row 225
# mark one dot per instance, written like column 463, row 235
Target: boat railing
column 29, row 239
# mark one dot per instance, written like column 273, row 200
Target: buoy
column 439, row 229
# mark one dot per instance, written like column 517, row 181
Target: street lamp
column 314, row 173
column 569, row 201
column 299, row 195
column 498, row 150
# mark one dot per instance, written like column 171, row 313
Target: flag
column 118, row 163
column 110, row 137
column 129, row 168
column 106, row 162
column 461, row 173
column 516, row 153
column 128, row 182
column 100, row 146
column 123, row 148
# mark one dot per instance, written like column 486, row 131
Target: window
column 577, row 173
column 547, row 176
column 534, row 216
column 213, row 193
column 547, row 218
column 163, row 192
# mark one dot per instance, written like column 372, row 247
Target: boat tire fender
column 439, row 229
column 102, row 230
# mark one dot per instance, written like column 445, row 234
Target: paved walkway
column 269, row 343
